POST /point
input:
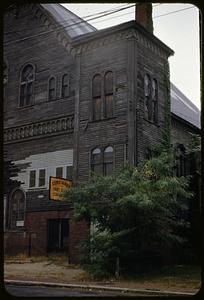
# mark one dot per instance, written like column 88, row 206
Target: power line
column 100, row 16
column 104, row 13
column 173, row 12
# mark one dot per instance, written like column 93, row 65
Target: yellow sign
column 57, row 185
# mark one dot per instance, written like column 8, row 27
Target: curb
column 97, row 287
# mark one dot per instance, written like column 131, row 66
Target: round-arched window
column 17, row 208
column 26, row 85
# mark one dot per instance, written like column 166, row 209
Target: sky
column 175, row 24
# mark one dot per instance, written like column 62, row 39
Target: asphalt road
column 42, row 291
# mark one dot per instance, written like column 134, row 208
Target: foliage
column 11, row 170
column 194, row 145
column 140, row 208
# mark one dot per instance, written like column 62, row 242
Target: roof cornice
column 140, row 30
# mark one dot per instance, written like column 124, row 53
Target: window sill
column 151, row 122
column 104, row 119
column 43, row 188
column 57, row 99
column 25, row 107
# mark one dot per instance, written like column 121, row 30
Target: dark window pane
column 109, row 106
column 51, row 94
column 97, row 169
column 147, row 87
column 32, row 178
column 97, row 108
column 17, row 210
column 155, row 111
column 96, row 161
column 69, row 174
column 59, row 172
column 22, row 94
column 65, row 85
column 109, row 83
column 26, row 88
column 108, row 169
column 65, row 91
column 155, row 100
column 52, row 88
column 108, row 160
column 42, row 177
column 96, row 85
column 27, row 73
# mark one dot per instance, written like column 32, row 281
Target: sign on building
column 57, row 185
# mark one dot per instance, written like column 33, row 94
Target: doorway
column 58, row 235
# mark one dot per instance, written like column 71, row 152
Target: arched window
column 96, row 161
column 65, row 86
column 108, row 94
column 147, row 92
column 180, row 160
column 26, row 85
column 52, row 88
column 17, row 209
column 155, row 100
column 108, row 161
column 96, row 96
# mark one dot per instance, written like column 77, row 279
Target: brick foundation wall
column 33, row 240
column 15, row 243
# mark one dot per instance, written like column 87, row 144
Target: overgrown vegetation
column 134, row 216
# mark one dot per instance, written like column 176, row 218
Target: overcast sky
column 177, row 25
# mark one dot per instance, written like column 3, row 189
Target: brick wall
column 35, row 235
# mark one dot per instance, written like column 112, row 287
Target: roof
column 73, row 25
column 182, row 107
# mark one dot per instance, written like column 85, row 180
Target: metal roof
column 182, row 107
column 73, row 25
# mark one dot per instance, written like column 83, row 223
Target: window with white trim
column 32, row 178
column 41, row 178
column 59, row 172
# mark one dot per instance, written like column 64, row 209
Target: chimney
column 143, row 15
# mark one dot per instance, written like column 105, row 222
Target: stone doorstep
column 97, row 287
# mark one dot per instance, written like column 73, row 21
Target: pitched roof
column 182, row 107
column 73, row 25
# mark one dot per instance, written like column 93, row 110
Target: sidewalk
column 62, row 274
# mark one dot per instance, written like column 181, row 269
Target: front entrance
column 58, row 235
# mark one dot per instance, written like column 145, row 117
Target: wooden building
column 77, row 100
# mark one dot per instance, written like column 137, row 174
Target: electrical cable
column 83, row 20
column 108, row 13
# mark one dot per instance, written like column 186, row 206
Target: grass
column 177, row 276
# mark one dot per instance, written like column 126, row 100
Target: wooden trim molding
column 39, row 129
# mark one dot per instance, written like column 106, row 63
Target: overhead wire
column 108, row 12
column 173, row 12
